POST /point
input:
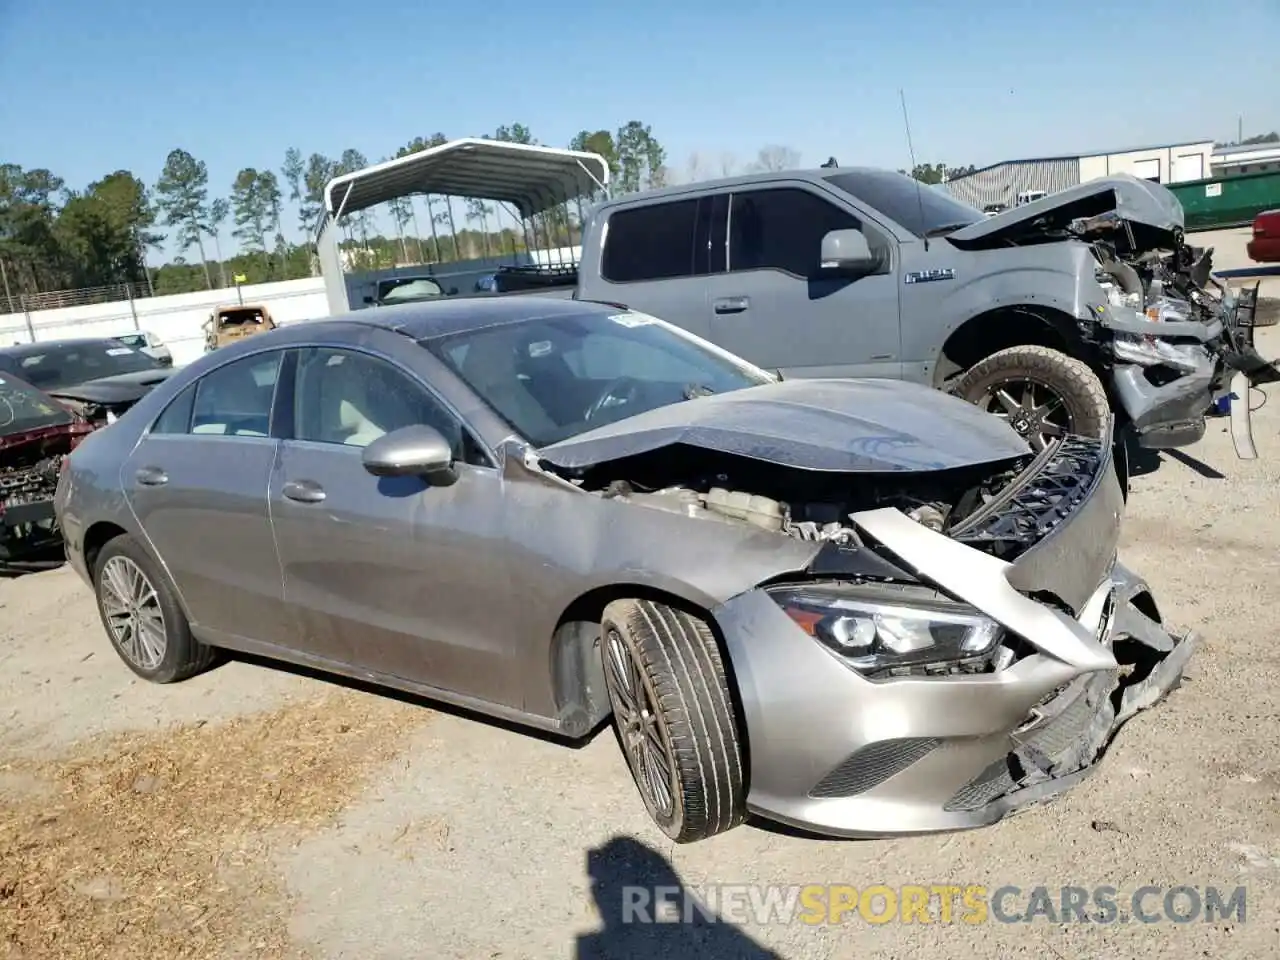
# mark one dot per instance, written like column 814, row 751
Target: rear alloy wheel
column 1042, row 393
column 142, row 616
column 673, row 713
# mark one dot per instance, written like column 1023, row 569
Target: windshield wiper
column 944, row 229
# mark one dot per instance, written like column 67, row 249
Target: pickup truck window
column 653, row 242
column 782, row 228
column 922, row 209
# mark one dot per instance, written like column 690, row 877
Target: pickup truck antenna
column 911, row 151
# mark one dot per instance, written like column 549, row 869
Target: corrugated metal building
column 1004, row 182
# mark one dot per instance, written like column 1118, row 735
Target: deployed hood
column 121, row 388
column 1148, row 207
column 832, row 425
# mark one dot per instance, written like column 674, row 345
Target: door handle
column 731, row 304
column 151, row 476
column 303, row 491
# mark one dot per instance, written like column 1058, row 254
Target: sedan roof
column 428, row 319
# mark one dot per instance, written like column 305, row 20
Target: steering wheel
column 611, row 392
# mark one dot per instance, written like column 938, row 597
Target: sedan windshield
column 556, row 377
column 23, row 408
column 59, row 365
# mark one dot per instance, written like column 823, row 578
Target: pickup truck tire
column 1040, row 391
column 674, row 716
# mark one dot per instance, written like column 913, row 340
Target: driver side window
column 781, row 228
column 350, row 399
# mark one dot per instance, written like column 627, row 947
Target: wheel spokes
column 132, row 611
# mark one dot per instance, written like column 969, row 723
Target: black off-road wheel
column 142, row 616
column 673, row 711
column 1042, row 393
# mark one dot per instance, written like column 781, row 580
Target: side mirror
column 368, row 299
column 846, row 252
column 165, row 361
column 413, row 451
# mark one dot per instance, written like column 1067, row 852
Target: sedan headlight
column 878, row 635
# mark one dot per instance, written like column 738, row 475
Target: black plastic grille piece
column 872, row 765
column 1034, row 506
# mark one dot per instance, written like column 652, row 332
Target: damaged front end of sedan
column 960, row 641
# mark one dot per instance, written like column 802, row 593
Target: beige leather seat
column 357, row 416
column 490, row 368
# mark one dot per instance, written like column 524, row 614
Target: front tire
column 142, row 616
column 1042, row 393
column 673, row 711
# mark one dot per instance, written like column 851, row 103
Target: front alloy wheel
column 1042, row 393
column 673, row 712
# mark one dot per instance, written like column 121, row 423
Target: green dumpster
column 1223, row 202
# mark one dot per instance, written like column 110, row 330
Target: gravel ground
column 426, row 834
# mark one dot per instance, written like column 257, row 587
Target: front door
column 391, row 575
column 773, row 306
column 197, row 483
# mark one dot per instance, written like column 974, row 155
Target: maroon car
column 1265, row 245
column 36, row 434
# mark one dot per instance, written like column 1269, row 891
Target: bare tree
column 728, row 164
column 694, row 168
column 776, row 157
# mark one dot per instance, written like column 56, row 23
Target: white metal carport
column 532, row 179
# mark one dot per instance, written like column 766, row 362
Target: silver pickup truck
column 1053, row 315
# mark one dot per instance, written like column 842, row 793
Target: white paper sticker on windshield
column 633, row 318
column 119, row 351
column 540, row 348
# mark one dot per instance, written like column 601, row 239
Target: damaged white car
column 860, row 607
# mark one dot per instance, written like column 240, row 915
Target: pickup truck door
column 656, row 260
column 773, row 307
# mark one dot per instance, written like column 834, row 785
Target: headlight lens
column 878, row 636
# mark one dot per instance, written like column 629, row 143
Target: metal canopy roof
column 531, row 178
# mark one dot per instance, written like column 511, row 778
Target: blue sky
column 90, row 86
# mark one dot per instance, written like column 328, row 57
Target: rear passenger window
column 782, row 229
column 177, row 415
column 235, row 400
column 654, row 242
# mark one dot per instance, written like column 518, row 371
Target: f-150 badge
column 927, row 276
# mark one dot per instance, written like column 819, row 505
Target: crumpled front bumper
column 835, row 753
column 1209, row 361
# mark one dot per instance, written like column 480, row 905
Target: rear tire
column 1041, row 392
column 142, row 616
column 673, row 711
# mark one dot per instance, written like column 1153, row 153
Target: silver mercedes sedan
column 859, row 607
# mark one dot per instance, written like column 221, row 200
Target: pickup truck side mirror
column 368, row 299
column 846, row 252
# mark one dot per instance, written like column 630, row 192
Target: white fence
column 177, row 319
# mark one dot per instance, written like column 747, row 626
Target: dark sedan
column 97, row 377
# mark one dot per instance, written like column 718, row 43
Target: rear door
column 655, row 259
column 197, row 482
column 774, row 307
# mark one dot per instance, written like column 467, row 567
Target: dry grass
column 159, row 845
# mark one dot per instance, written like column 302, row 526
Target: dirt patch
column 159, row 845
